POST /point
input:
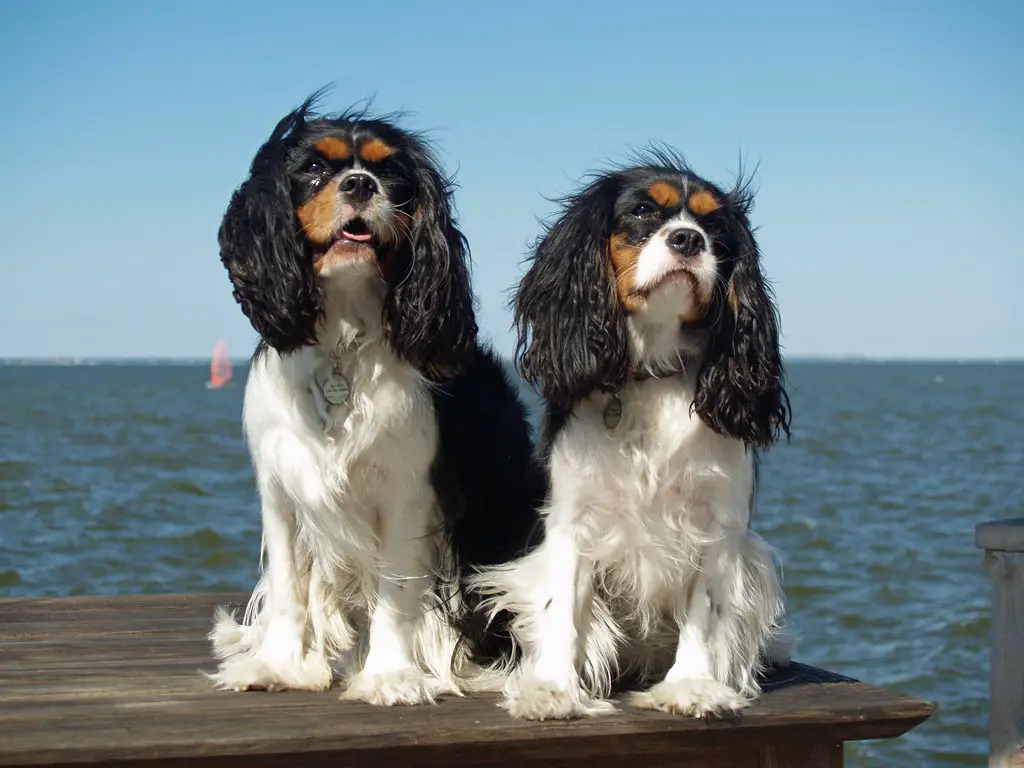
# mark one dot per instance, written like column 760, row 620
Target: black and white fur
column 374, row 510
column 655, row 308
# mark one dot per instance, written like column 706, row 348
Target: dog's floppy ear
column 429, row 312
column 269, row 266
column 572, row 337
column 740, row 388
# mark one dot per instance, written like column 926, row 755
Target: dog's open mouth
column 355, row 231
column 354, row 243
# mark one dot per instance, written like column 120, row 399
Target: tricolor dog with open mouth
column 391, row 453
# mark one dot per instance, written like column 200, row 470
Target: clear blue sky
column 890, row 138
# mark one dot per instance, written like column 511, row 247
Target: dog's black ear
column 571, row 329
column 740, row 390
column 269, row 265
column 429, row 311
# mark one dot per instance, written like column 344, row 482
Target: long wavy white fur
column 648, row 529
column 354, row 565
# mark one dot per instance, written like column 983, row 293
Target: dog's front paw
column 277, row 662
column 535, row 699
column 696, row 698
column 406, row 686
column 245, row 672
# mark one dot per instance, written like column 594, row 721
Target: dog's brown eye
column 315, row 167
column 644, row 210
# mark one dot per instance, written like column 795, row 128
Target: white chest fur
column 387, row 402
column 645, row 496
column 340, row 463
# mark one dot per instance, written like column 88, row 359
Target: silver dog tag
column 613, row 413
column 335, row 387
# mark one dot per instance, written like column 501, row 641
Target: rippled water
column 135, row 479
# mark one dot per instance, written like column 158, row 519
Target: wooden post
column 1003, row 542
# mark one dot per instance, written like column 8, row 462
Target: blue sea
column 133, row 478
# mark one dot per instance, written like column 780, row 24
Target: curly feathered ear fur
column 429, row 307
column 572, row 337
column 740, row 389
column 271, row 273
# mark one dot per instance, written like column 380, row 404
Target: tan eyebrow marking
column 703, row 202
column 375, row 150
column 664, row 194
column 334, row 148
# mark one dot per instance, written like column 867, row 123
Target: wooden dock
column 107, row 680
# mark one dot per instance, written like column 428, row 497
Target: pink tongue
column 363, row 238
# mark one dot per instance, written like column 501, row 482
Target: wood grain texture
column 1001, row 535
column 101, row 679
column 798, row 754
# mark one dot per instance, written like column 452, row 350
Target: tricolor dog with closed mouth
column 646, row 324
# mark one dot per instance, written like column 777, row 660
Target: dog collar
column 612, row 414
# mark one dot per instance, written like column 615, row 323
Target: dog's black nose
column 359, row 187
column 685, row 241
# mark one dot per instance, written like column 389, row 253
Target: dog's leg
column 278, row 658
column 690, row 687
column 390, row 674
column 731, row 612
column 559, row 584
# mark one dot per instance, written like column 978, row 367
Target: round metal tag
column 335, row 387
column 613, row 413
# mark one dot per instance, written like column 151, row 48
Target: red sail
column 220, row 367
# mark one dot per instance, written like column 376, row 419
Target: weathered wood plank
column 1001, row 535
column 799, row 754
column 449, row 757
column 89, row 680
